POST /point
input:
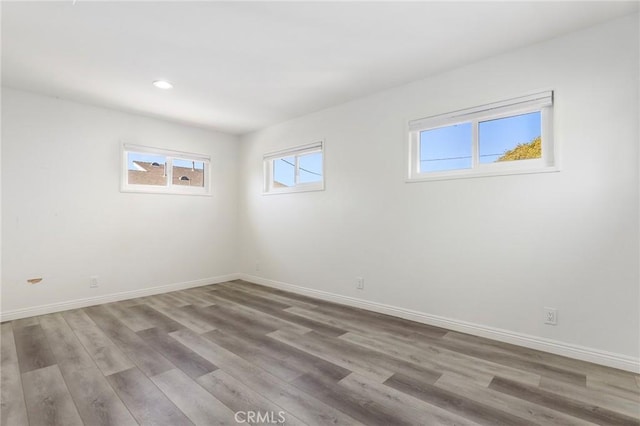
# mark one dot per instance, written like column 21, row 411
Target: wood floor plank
column 615, row 380
column 371, row 356
column 107, row 356
column 195, row 297
column 64, row 344
column 182, row 357
column 220, row 320
column 268, row 320
column 239, row 320
column 379, row 358
column 297, row 359
column 287, row 294
column 172, row 299
column 406, row 407
column 255, row 355
column 483, row 370
column 159, row 320
column 127, row 316
column 13, row 410
column 136, row 349
column 562, row 403
column 339, row 323
column 205, row 291
column 230, row 291
column 600, row 399
column 380, row 322
column 303, row 406
column 155, row 301
column 164, row 301
column 277, row 310
column 360, row 407
column 24, row 322
column 47, row 398
column 129, row 302
column 452, row 402
column 32, row 348
column 272, row 296
column 146, row 402
column 94, row 398
column 188, row 320
column 423, row 352
column 204, row 315
column 596, row 372
column 536, row 414
column 514, row 361
column 195, row 402
column 264, row 351
column 347, row 360
column 424, row 358
column 239, row 397
column 317, row 326
column 599, row 386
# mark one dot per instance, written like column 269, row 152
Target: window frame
column 170, row 155
column 269, row 188
column 539, row 102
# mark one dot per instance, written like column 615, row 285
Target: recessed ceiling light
column 161, row 84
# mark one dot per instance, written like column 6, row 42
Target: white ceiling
column 241, row 66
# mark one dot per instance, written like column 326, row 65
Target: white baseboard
column 622, row 362
column 107, row 298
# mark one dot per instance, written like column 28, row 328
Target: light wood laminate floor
column 200, row 356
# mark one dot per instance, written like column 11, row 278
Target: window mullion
column 169, row 172
column 296, row 178
column 548, row 155
column 475, row 149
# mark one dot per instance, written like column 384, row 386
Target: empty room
column 320, row 213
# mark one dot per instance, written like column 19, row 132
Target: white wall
column 65, row 219
column 489, row 251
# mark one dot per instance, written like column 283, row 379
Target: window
column 509, row 137
column 294, row 170
column 148, row 169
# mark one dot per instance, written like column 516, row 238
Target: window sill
column 201, row 192
column 301, row 188
column 467, row 174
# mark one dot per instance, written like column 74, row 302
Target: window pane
column 310, row 166
column 284, row 172
column 146, row 169
column 188, row 172
column 510, row 138
column 446, row 148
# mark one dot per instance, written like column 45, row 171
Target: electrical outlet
column 360, row 283
column 93, row 281
column 550, row 316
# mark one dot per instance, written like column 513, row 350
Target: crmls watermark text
column 260, row 417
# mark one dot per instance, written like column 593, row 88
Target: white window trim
column 542, row 102
column 125, row 186
column 268, row 187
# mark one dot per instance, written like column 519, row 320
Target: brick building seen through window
column 155, row 173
